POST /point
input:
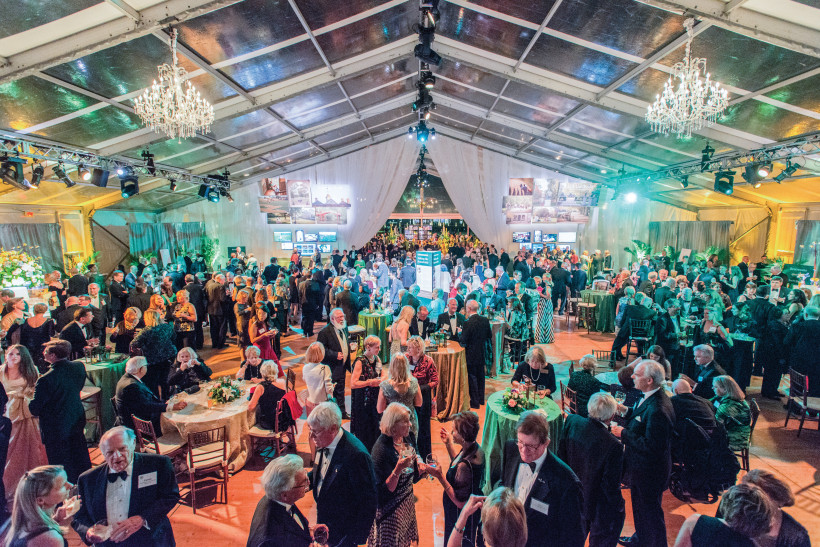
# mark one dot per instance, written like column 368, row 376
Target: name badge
column 148, row 479
column 637, row 418
column 540, row 506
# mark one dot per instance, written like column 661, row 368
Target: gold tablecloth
column 452, row 395
column 198, row 417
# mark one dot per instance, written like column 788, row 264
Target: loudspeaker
column 99, row 178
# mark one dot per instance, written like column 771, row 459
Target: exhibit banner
column 428, row 264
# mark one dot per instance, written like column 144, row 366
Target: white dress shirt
column 526, row 477
column 342, row 342
column 646, row 396
column 118, row 497
column 288, row 507
column 331, row 448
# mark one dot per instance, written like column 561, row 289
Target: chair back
column 755, row 410
column 639, row 328
column 146, row 436
column 207, row 449
column 116, row 408
column 798, row 385
column 290, row 380
column 605, row 357
column 569, row 400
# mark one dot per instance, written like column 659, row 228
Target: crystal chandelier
column 694, row 104
column 165, row 107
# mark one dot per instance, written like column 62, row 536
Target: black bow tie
column 112, row 477
column 532, row 466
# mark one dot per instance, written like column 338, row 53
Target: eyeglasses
column 530, row 447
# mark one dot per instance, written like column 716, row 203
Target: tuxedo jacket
column 101, row 316
column 66, row 316
column 554, row 505
column 426, row 327
column 134, row 397
column 119, row 296
column 346, row 300
column 57, row 400
column 704, row 383
column 444, row 319
column 349, row 477
column 648, row 440
column 154, row 492
column 77, row 285
column 73, row 334
column 475, row 335
column 330, row 341
column 272, row 526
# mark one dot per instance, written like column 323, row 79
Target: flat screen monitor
column 537, row 247
column 300, row 236
column 327, row 236
column 550, row 238
column 566, row 237
column 282, row 237
column 311, row 238
column 287, row 246
column 522, row 237
column 527, row 246
column 324, row 247
column 306, row 249
column 537, row 237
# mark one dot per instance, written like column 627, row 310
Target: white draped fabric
column 373, row 178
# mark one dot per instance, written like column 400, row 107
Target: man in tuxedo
column 349, row 303
column 691, row 307
column 421, row 325
column 79, row 333
column 99, row 306
column 134, row 492
column 62, row 417
column 196, row 296
column 545, row 485
column 139, row 297
column 271, row 271
column 119, row 295
column 597, row 458
column 461, row 296
column 451, row 321
column 343, row 472
column 135, row 398
column 668, row 331
column 77, row 283
column 475, row 336
column 72, row 304
column 336, row 340
column 216, row 295
column 579, row 280
column 561, row 282
column 802, row 341
column 687, row 405
column 276, row 520
column 777, row 294
column 524, row 267
column 648, row 455
column 707, row 370
column 639, row 311
column 410, row 298
column 664, row 292
column 490, row 301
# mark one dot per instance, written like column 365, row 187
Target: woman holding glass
column 35, row 520
column 123, row 332
column 400, row 387
column 187, row 371
column 397, row 469
column 184, row 318
column 400, row 331
column 424, row 371
column 367, row 375
column 535, row 368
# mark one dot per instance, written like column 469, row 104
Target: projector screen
column 566, row 237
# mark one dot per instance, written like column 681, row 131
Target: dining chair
column 208, row 454
column 170, row 444
column 799, row 403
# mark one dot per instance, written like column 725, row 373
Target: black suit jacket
column 73, row 334
column 561, row 280
column 328, row 338
column 662, row 294
column 349, row 477
column 272, row 526
column 152, row 502
column 77, row 285
column 597, row 458
column 119, row 296
column 475, row 335
column 196, row 296
column 558, row 487
column 134, row 397
column 270, row 273
column 427, row 327
column 665, row 333
column 409, row 300
column 66, row 316
column 704, row 380
column 350, row 305
column 444, row 319
column 648, row 440
column 101, row 316
column 761, row 311
column 57, row 400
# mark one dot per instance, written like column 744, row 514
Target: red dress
column 265, row 347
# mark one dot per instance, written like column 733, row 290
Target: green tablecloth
column 376, row 323
column 498, row 346
column 499, row 427
column 604, row 309
column 105, row 376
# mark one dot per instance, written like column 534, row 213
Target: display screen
column 306, row 249
column 281, row 237
column 287, row 246
column 537, row 247
column 527, row 246
column 311, row 237
column 566, row 237
column 522, row 237
column 300, row 236
column 550, row 238
column 324, row 247
column 327, row 236
column 536, row 238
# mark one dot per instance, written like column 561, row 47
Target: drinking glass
column 620, row 397
column 408, row 452
column 431, row 462
column 102, row 529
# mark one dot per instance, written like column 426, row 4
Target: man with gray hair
column 343, row 472
column 338, row 347
column 708, row 370
column 134, row 492
column 346, row 300
column 475, row 335
column 597, row 457
column 648, row 455
column 217, row 294
column 134, row 398
column 277, row 520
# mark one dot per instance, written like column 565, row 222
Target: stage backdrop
column 150, row 238
column 697, row 236
column 42, row 240
column 808, row 234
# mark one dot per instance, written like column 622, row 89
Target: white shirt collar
column 647, row 395
column 332, row 446
column 287, row 506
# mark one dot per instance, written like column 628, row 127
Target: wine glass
column 620, row 397
column 431, row 461
column 408, row 451
column 101, row 529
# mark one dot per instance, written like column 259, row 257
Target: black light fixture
column 83, row 173
column 99, row 177
column 428, row 79
column 129, row 182
column 148, row 158
column 749, row 174
column 11, row 172
column 706, row 156
column 725, row 182
column 791, row 169
column 209, row 192
column 37, row 173
column 173, row 185
column 60, row 173
column 764, row 169
column 684, row 181
column 423, row 51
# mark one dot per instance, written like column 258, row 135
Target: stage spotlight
column 725, row 182
column 148, row 158
column 11, row 172
column 209, row 192
column 411, row 132
column 422, row 51
column 60, row 173
column 428, row 79
column 120, row 170
column 684, row 181
column 83, row 173
column 791, row 169
column 99, row 177
column 630, row 197
column 37, row 175
column 764, row 170
column 129, row 183
column 706, row 156
column 173, row 185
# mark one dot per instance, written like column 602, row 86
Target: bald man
column 475, row 335
column 691, row 406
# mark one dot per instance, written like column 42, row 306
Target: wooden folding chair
column 208, row 453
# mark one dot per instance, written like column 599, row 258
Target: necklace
column 535, row 380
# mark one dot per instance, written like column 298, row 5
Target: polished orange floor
column 796, row 460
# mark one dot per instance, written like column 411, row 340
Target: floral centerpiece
column 516, row 400
column 20, row 269
column 224, row 391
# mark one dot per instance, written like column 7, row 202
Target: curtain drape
column 150, row 238
column 808, row 232
column 697, row 236
column 41, row 240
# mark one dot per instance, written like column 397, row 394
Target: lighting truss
column 34, row 149
column 781, row 152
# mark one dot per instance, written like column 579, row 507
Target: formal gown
column 34, row 338
column 364, row 422
column 405, row 398
column 26, row 450
column 543, row 321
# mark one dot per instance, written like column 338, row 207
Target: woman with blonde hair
column 243, row 312
column 187, row 371
column 266, row 396
column 503, row 520
column 368, row 374
column 319, row 382
column 25, row 451
column 732, row 410
column 400, row 331
column 123, row 332
column 401, row 387
column 184, row 319
column 157, row 304
column 35, row 521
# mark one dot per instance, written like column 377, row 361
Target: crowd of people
column 543, row 497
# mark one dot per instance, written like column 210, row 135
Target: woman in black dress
column 35, row 513
column 279, row 316
column 465, row 474
column 34, row 332
column 535, row 367
column 187, row 371
column 266, row 397
column 157, row 343
column 184, row 320
column 125, row 330
column 364, row 393
column 251, row 368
